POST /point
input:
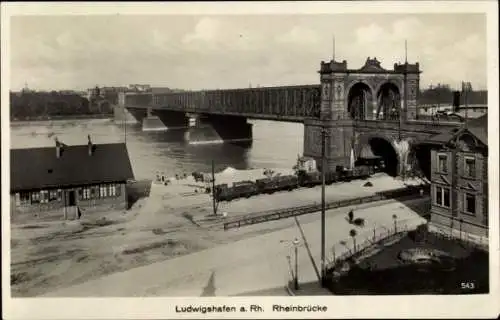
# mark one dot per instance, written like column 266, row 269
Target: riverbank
column 166, row 224
column 61, row 118
column 55, row 121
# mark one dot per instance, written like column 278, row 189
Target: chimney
column 90, row 145
column 58, row 148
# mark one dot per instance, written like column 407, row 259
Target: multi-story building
column 459, row 177
column 68, row 181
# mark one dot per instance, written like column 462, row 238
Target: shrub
column 360, row 222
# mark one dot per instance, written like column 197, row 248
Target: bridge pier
column 129, row 115
column 210, row 128
column 170, row 120
column 338, row 142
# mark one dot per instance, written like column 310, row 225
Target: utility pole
column 214, row 204
column 323, row 171
column 334, row 48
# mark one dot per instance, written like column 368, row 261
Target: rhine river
column 275, row 145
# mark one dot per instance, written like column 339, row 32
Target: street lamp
column 296, row 243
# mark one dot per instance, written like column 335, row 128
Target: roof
column 477, row 127
column 38, row 168
column 441, row 138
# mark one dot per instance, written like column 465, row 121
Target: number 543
column 467, row 285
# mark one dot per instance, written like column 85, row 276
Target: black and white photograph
column 284, row 154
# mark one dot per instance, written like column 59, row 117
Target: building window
column 442, row 197
column 103, row 191
column 470, row 203
column 112, row 190
column 53, row 195
column 86, row 193
column 35, row 197
column 22, row 198
column 442, row 163
column 44, row 196
column 470, row 167
column 118, row 189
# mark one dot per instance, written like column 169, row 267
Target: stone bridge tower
column 351, row 96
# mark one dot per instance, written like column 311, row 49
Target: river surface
column 275, row 145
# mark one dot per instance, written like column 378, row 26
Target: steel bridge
column 351, row 107
column 291, row 103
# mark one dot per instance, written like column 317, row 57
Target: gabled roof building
column 68, row 181
column 459, row 178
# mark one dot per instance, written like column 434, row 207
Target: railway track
column 271, row 215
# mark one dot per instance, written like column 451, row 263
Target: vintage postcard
column 250, row 160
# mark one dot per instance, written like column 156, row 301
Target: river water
column 275, row 145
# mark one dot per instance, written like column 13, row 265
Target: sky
column 227, row 51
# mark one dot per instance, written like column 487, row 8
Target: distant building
column 139, row 87
column 105, row 92
column 459, row 178
column 68, row 181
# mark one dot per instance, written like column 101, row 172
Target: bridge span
column 366, row 111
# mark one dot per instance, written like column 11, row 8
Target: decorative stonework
column 372, row 65
column 326, row 91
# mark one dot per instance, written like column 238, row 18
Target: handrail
column 279, row 214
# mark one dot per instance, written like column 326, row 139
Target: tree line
column 28, row 105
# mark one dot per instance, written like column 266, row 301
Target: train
column 270, row 185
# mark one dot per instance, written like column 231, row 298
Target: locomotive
column 246, row 189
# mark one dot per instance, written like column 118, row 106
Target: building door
column 71, row 198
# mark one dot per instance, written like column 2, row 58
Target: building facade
column 68, row 182
column 459, row 177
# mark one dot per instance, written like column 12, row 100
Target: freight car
column 278, row 183
column 241, row 189
column 247, row 189
column 311, row 179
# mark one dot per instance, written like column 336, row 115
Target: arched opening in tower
column 359, row 101
column 388, row 102
column 382, row 148
column 420, row 156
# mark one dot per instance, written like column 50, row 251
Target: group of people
column 162, row 178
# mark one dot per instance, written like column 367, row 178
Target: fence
column 297, row 211
column 380, row 234
column 465, row 239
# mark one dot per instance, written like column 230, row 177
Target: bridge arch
column 388, row 95
column 359, row 100
column 382, row 146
